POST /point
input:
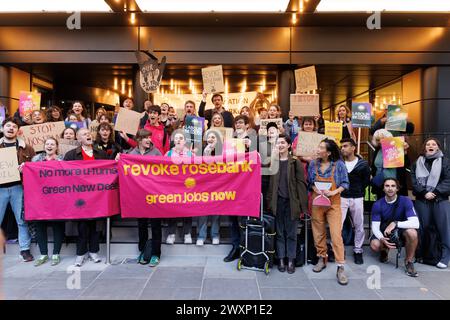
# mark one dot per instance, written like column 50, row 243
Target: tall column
column 286, row 86
column 436, row 99
column 139, row 95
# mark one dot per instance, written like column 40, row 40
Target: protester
column 291, row 126
column 80, row 111
column 54, row 114
column 73, row 117
column 50, row 154
column 242, row 124
column 246, row 111
column 217, row 100
column 164, row 117
column 352, row 199
column 431, row 185
column 274, row 112
column 344, row 116
column 69, row 134
column 147, row 104
column 179, row 150
column 394, row 215
column 145, row 148
column 217, row 120
column 379, row 173
column 266, row 147
column 88, row 236
column 287, row 198
column 128, row 103
column 104, row 141
column 307, row 125
column 213, row 148
column 160, row 136
column 38, row 117
column 328, row 168
column 12, row 192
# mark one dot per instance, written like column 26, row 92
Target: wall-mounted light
column 171, row 84
column 123, row 86
column 116, row 83
column 133, row 18
column 294, row 18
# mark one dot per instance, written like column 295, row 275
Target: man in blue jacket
column 353, row 199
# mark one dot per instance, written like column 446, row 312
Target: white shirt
column 351, row 164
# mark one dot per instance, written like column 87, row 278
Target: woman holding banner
column 344, row 116
column 327, row 177
column 88, row 236
column 179, row 151
column 50, row 154
column 145, row 148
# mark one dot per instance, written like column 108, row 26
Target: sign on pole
column 396, row 118
column 361, row 115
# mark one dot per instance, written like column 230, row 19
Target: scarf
column 426, row 179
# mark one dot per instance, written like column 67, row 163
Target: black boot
column 291, row 266
column 281, row 266
column 233, row 255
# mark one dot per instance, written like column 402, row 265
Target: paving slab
column 230, row 289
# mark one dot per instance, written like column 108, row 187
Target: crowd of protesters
column 290, row 192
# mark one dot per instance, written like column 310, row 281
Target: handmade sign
column 305, row 79
column 9, row 165
column 35, row 135
column 303, row 105
column 156, row 187
column 150, row 71
column 68, row 190
column 361, row 115
column 128, row 121
column 334, row 129
column 396, row 118
column 213, row 79
column 307, row 143
column 29, row 102
column 65, row 145
column 393, row 152
column 265, row 122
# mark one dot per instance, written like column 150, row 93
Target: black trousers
column 437, row 213
column 286, row 238
column 156, row 234
column 42, row 238
column 88, row 237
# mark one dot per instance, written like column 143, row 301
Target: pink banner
column 157, row 187
column 67, row 190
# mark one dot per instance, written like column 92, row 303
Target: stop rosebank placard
column 161, row 187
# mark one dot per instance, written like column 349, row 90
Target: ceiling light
column 55, row 6
column 213, row 6
column 383, row 5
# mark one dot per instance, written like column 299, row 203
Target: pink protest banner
column 67, row 190
column 393, row 152
column 157, row 187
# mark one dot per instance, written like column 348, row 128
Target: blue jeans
column 203, row 226
column 14, row 195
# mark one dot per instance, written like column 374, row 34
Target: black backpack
column 431, row 246
column 348, row 231
column 312, row 258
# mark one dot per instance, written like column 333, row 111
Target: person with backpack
column 287, row 198
column 394, row 222
column 430, row 176
column 353, row 199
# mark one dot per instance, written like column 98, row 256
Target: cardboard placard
column 305, row 79
column 265, row 122
column 213, row 79
column 9, row 166
column 128, row 121
column 361, row 115
column 396, row 118
column 307, row 143
column 334, row 129
column 304, row 105
column 36, row 134
column 393, row 152
column 65, row 145
column 29, row 102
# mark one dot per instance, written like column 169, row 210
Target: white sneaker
column 187, row 238
column 94, row 257
column 170, row 239
column 79, row 261
column 200, row 242
column 441, row 265
column 216, row 240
